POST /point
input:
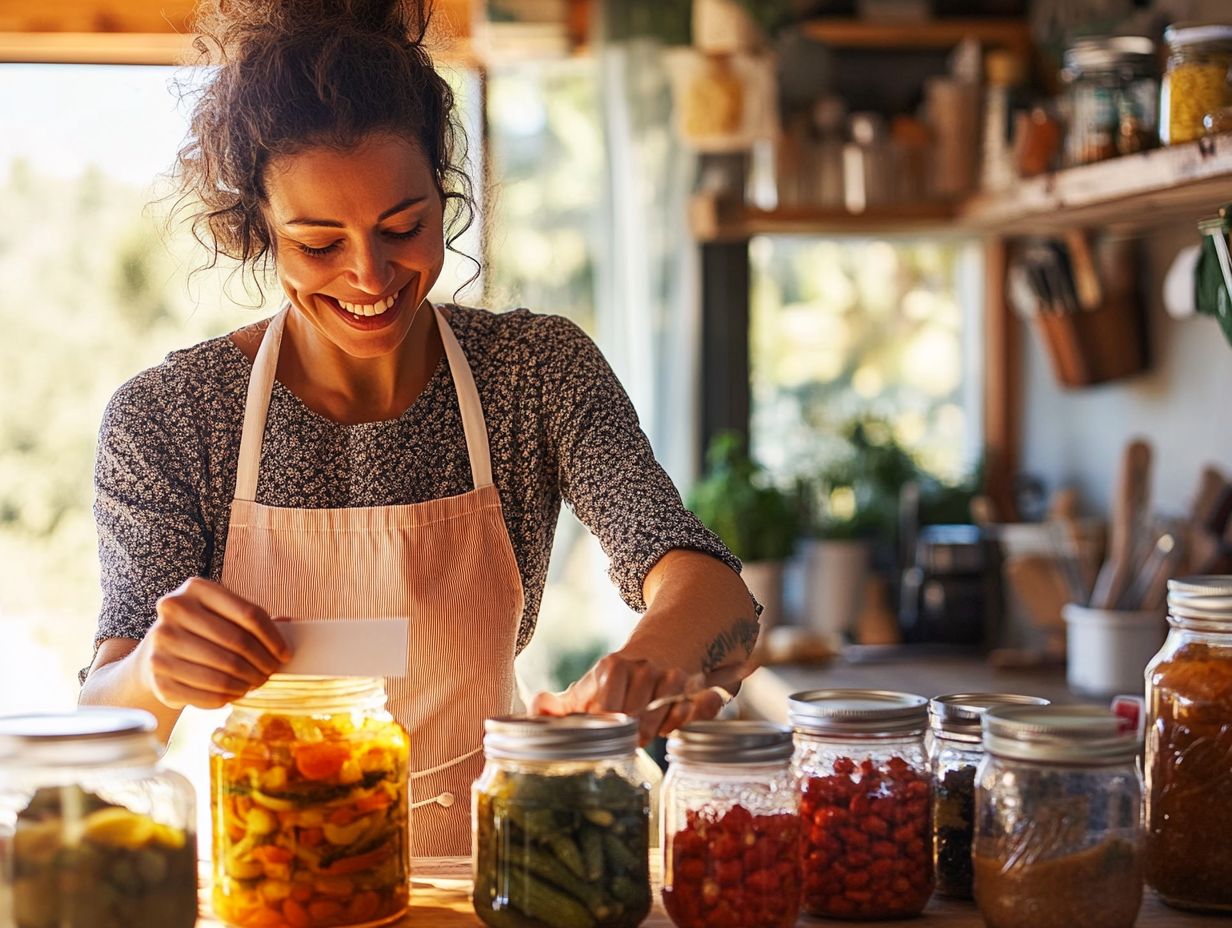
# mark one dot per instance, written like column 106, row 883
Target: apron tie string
column 446, row 799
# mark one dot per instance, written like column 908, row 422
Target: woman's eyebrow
column 335, row 224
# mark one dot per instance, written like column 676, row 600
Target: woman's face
column 358, row 239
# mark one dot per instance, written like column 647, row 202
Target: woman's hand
column 620, row 683
column 208, row 647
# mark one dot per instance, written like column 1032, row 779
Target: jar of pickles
column 93, row 833
column 1189, row 749
column 1112, row 98
column 955, row 753
column 730, row 827
column 866, row 843
column 1058, row 838
column 561, row 824
column 309, row 799
column 1198, row 79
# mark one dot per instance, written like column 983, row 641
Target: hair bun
column 239, row 24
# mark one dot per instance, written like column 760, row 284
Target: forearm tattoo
column 742, row 634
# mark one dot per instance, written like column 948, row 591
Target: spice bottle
column 956, row 751
column 561, row 818
column 1198, row 79
column 731, row 827
column 93, row 833
column 1189, row 749
column 309, row 798
column 865, row 802
column 1058, row 838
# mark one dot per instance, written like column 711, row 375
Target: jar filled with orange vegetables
column 309, row 801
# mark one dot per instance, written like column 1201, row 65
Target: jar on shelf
column 731, row 827
column 93, row 832
column 309, row 800
column 1198, row 79
column 1189, row 749
column 1058, row 832
column 1112, row 98
column 561, row 817
column 956, row 750
column 866, row 839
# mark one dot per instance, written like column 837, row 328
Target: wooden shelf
column 936, row 34
column 1137, row 192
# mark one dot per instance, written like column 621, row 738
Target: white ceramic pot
column 765, row 581
column 834, row 577
column 1107, row 650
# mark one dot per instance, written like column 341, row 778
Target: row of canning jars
column 310, row 808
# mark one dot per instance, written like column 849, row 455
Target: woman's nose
column 371, row 271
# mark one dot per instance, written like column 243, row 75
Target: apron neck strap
column 261, row 385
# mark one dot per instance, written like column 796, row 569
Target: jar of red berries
column 730, row 827
column 865, row 813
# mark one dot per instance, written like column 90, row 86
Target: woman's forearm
column 699, row 615
column 116, row 679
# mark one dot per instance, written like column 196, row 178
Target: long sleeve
column 608, row 473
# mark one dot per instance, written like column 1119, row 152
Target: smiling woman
column 365, row 452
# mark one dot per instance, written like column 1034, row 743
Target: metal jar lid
column 1108, row 52
column 1197, row 33
column 850, row 712
column 1206, row 599
column 86, row 736
column 1059, row 734
column 959, row 715
column 568, row 737
column 730, row 742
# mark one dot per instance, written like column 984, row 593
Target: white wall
column 1183, row 404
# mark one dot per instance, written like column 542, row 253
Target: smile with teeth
column 371, row 309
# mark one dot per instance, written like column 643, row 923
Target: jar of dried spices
column 731, row 828
column 1198, row 79
column 1058, row 835
column 1112, row 98
column 1189, row 749
column 865, row 813
column 955, row 753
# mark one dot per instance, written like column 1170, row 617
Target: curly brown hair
column 297, row 74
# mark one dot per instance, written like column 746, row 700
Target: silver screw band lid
column 568, row 737
column 730, row 742
column 848, row 712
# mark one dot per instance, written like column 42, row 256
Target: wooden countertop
column 440, row 898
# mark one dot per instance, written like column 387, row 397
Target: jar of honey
column 1189, row 749
column 309, row 800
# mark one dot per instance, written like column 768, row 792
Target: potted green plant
column 849, row 507
column 758, row 521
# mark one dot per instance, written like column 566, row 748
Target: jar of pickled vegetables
column 955, row 752
column 309, row 799
column 1189, row 749
column 561, row 823
column 93, row 833
column 1111, row 98
column 1198, row 79
column 731, row 827
column 865, row 802
column 1058, row 839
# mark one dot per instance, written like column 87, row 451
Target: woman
column 365, row 453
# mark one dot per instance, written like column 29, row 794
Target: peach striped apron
column 447, row 564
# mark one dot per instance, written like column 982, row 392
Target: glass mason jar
column 731, row 827
column 309, row 800
column 92, row 831
column 561, row 821
column 1112, row 96
column 1058, row 836
column 1198, row 79
column 1189, row 749
column 956, row 751
column 865, row 810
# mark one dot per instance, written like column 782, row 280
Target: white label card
column 347, row 647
